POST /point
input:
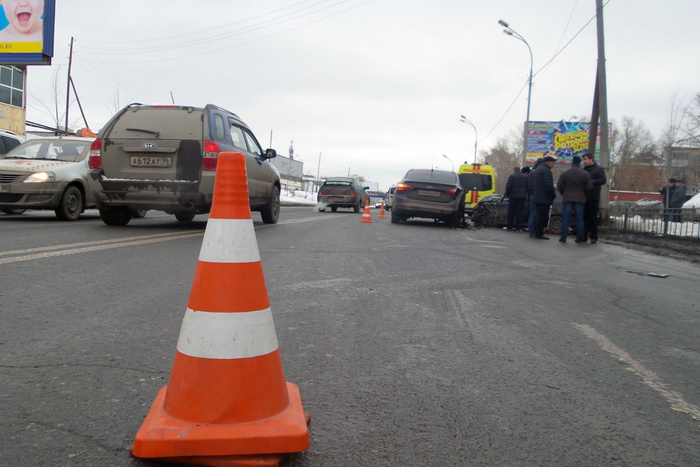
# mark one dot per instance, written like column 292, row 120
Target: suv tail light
column 451, row 191
column 211, row 155
column 404, row 187
column 95, row 158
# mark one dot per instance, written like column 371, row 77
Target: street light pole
column 453, row 164
column 508, row 30
column 463, row 119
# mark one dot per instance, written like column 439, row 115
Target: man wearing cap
column 590, row 212
column 532, row 204
column 677, row 201
column 541, row 183
column 574, row 185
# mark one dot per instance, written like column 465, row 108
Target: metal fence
column 663, row 222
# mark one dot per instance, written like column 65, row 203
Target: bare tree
column 633, row 153
column 53, row 108
column 503, row 157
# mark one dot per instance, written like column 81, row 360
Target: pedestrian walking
column 541, row 184
column 574, row 184
column 516, row 192
column 531, row 203
column 677, row 201
column 590, row 212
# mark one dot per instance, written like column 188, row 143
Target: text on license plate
column 434, row 194
column 150, row 161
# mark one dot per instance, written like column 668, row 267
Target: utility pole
column 70, row 62
column 599, row 115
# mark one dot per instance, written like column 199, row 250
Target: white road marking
column 648, row 377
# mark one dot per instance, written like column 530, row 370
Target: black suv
column 342, row 192
column 164, row 158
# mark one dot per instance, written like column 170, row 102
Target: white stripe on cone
column 227, row 335
column 229, row 241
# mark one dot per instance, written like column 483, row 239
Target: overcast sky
column 372, row 87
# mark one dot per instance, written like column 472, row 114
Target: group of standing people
column 580, row 188
column 674, row 198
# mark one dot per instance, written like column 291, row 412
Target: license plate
column 150, row 161
column 434, row 194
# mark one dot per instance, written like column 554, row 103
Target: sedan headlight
column 41, row 177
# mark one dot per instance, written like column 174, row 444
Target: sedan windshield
column 61, row 150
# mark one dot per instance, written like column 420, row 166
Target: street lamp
column 453, row 164
column 508, row 30
column 476, row 136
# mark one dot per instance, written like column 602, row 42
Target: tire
column 271, row 212
column 356, row 207
column 71, row 205
column 138, row 213
column 321, row 209
column 334, row 208
column 395, row 219
column 12, row 211
column 184, row 216
column 115, row 216
column 555, row 224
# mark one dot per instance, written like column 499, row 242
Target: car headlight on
column 41, row 177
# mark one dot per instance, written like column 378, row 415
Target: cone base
column 269, row 440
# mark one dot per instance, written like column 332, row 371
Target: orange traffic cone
column 366, row 216
column 382, row 215
column 227, row 402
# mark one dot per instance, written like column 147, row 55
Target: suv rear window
column 165, row 122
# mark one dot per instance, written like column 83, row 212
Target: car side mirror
column 270, row 153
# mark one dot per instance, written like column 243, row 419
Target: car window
column 219, row 132
column 237, row 137
column 51, row 150
column 253, row 146
column 431, row 176
column 3, row 147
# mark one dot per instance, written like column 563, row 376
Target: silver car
column 47, row 173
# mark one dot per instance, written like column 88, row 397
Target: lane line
column 648, row 377
column 73, row 251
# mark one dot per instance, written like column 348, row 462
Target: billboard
column 561, row 139
column 26, row 31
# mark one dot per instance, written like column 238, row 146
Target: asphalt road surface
column 412, row 344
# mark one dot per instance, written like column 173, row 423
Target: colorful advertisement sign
column 563, row 140
column 26, row 31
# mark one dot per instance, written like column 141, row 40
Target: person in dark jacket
column 590, row 212
column 531, row 201
column 516, row 192
column 667, row 192
column 541, row 185
column 677, row 201
column 574, row 185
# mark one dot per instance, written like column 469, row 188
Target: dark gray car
column 435, row 194
column 164, row 158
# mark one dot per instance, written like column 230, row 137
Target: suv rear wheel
column 271, row 212
column 115, row 216
column 184, row 216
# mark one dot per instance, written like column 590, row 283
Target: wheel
column 356, row 207
column 115, row 216
column 334, row 208
column 12, row 211
column 321, row 209
column 555, row 224
column 184, row 216
column 138, row 213
column 395, row 219
column 271, row 212
column 71, row 205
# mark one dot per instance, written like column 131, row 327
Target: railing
column 664, row 222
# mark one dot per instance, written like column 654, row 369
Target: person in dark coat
column 516, row 192
column 533, row 206
column 677, row 201
column 590, row 212
column 667, row 192
column 574, row 184
column 541, row 184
